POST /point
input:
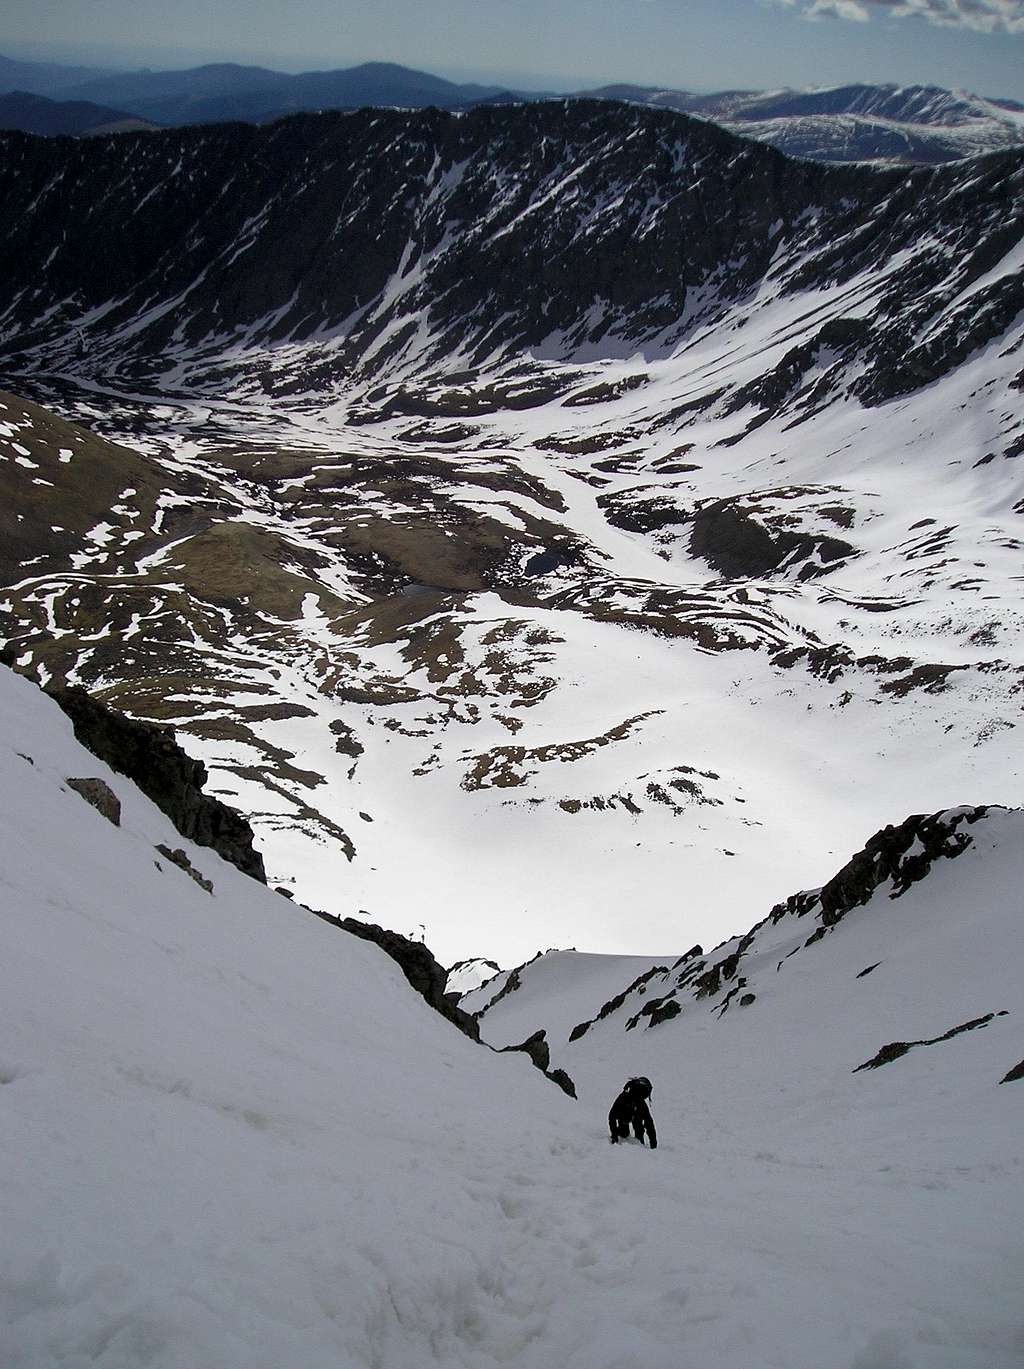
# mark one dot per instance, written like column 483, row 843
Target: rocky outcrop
column 613, row 1004
column 897, row 1049
column 737, row 545
column 98, row 793
column 429, row 978
column 150, row 757
column 425, row 974
column 656, row 1011
column 536, row 1047
column 180, row 858
column 473, row 973
column 903, row 854
column 899, row 855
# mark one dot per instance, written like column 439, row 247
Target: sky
column 699, row 45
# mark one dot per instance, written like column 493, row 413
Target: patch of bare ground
column 70, row 482
column 585, row 446
column 238, row 563
column 298, row 813
column 604, row 391
column 176, row 694
column 715, row 618
column 678, row 788
column 453, row 550
column 506, row 767
column 471, row 398
column 277, row 759
column 418, row 477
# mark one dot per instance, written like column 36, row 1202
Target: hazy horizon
column 975, row 45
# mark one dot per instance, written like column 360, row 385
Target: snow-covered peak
column 466, row 975
column 913, row 943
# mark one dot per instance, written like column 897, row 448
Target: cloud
column 985, row 16
column 842, row 9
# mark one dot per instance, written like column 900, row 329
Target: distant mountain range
column 36, row 114
column 43, row 78
column 879, row 123
column 852, row 123
column 224, row 92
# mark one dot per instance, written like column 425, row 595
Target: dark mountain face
column 631, row 225
column 36, row 114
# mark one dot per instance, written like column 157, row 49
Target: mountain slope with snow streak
column 232, row 1135
column 885, row 124
column 491, row 605
column 864, row 1033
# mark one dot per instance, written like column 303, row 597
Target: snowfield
column 231, row 1135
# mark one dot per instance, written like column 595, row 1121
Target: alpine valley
column 554, row 522
column 549, row 523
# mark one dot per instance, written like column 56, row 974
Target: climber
column 630, row 1110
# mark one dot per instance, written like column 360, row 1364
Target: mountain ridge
column 886, row 124
column 880, row 123
column 288, row 299
column 909, row 860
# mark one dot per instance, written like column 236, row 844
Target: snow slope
column 767, row 1107
column 230, row 1135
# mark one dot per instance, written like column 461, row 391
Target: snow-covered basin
column 230, row 1135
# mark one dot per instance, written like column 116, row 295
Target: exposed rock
column 426, row 975
column 657, row 1010
column 1016, row 1073
column 180, row 859
column 615, row 1003
column 472, row 973
column 708, row 984
column 903, row 853
column 736, row 990
column 897, row 1049
column 841, row 335
column 536, row 1047
column 737, row 545
column 753, row 204
column 662, row 1012
column 747, row 999
column 100, row 795
column 511, row 984
column 153, row 760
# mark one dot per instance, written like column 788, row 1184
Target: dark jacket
column 630, row 1110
